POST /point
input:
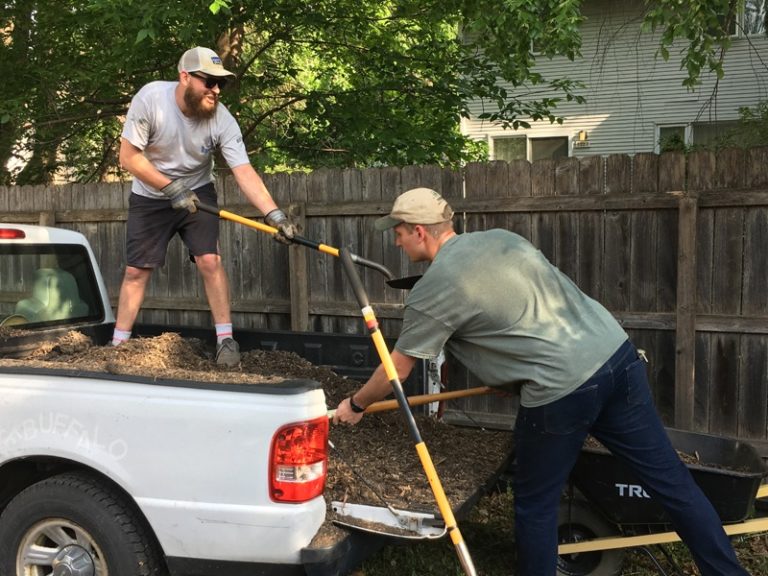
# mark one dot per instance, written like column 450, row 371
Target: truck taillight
column 12, row 234
column 299, row 461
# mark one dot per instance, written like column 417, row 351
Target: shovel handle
column 384, row 405
column 271, row 230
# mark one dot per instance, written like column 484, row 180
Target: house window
column 748, row 21
column 510, row 148
column 671, row 138
column 753, row 18
column 549, row 148
column 710, row 134
column 516, row 148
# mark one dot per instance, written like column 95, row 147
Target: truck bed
column 373, row 463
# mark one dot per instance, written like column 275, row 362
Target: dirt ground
column 372, row 463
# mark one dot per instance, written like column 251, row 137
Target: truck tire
column 577, row 522
column 78, row 521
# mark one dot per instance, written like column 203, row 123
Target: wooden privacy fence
column 675, row 246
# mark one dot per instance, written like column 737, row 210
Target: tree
column 320, row 82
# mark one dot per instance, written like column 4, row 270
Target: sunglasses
column 210, row 81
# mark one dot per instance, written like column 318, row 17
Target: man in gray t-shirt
column 170, row 135
column 504, row 311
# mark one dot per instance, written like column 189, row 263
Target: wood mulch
column 372, row 463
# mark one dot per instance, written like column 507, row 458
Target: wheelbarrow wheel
column 578, row 522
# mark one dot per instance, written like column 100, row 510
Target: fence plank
column 702, row 397
column 685, row 344
column 519, row 185
column 723, row 408
column 730, row 169
column 350, row 238
column 543, row 231
column 617, row 178
column 753, row 387
column 756, row 176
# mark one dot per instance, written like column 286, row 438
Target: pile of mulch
column 372, row 463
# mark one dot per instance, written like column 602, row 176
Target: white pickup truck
column 126, row 476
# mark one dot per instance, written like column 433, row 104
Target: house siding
column 629, row 91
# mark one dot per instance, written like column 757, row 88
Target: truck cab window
column 47, row 285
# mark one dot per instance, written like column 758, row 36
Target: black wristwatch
column 355, row 408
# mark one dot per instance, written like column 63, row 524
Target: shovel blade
column 388, row 521
column 404, row 283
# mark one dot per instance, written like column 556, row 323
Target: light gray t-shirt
column 506, row 313
column 179, row 147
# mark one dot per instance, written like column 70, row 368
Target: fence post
column 685, row 334
column 47, row 218
column 298, row 277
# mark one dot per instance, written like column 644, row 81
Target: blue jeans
column 615, row 406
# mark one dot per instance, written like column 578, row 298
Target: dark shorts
column 152, row 223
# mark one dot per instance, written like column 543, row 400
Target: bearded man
column 169, row 139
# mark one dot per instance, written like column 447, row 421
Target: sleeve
column 137, row 127
column 231, row 143
column 422, row 336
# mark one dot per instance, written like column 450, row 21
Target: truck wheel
column 74, row 525
column 577, row 522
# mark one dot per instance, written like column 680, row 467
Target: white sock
column 120, row 336
column 223, row 331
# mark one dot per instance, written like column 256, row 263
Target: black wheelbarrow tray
column 609, row 510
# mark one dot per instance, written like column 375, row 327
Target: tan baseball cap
column 203, row 60
column 416, row 206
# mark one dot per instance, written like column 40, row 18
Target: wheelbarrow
column 607, row 511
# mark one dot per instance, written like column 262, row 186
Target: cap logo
column 216, row 60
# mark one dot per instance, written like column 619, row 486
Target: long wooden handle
column 424, row 399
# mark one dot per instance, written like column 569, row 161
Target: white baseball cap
column 203, row 60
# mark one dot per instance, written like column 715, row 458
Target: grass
column 488, row 533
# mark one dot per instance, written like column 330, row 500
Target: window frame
column 529, row 145
column 687, row 133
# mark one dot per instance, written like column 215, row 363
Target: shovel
column 388, row 521
column 405, row 283
column 430, row 472
column 399, row 283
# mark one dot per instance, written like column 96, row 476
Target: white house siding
column 629, row 91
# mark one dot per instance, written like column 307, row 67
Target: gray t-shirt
column 179, row 147
column 506, row 313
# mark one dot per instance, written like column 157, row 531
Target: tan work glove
column 181, row 197
column 286, row 230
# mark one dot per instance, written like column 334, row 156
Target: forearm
column 378, row 386
column 133, row 160
column 253, row 188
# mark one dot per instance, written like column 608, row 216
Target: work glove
column 286, row 230
column 181, row 197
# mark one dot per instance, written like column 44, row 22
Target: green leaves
column 320, row 83
column 145, row 33
column 217, row 5
column 701, row 31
